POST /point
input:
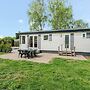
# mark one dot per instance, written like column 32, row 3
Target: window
column 35, row 41
column 23, row 39
column 50, row 37
column 39, row 35
column 60, row 35
column 31, row 41
column 83, row 35
column 20, row 40
column 45, row 37
column 88, row 35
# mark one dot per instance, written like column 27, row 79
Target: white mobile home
column 51, row 40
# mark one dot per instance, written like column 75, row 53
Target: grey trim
column 83, row 53
column 77, row 53
column 48, row 51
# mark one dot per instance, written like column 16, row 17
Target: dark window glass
column 20, row 40
column 23, row 39
column 66, row 41
column 83, row 35
column 35, row 41
column 39, row 35
column 50, row 37
column 45, row 37
column 88, row 35
column 60, row 35
column 31, row 41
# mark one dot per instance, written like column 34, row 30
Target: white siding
column 58, row 39
column 82, row 44
column 50, row 45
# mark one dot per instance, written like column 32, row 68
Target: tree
column 60, row 14
column 80, row 24
column 36, row 14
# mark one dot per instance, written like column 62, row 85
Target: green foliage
column 1, row 53
column 80, row 24
column 61, row 74
column 60, row 14
column 56, row 13
column 1, row 47
column 6, row 43
column 36, row 14
column 5, row 48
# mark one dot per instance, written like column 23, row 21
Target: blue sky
column 12, row 12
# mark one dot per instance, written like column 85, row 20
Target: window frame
column 35, row 41
column 20, row 39
column 23, row 39
column 88, row 37
column 31, row 41
column 84, row 35
column 50, row 37
column 45, row 36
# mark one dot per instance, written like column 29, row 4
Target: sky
column 14, row 18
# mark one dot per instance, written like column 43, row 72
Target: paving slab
column 41, row 58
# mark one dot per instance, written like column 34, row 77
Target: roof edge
column 55, row 31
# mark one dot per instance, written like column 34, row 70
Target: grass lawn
column 2, row 53
column 58, row 75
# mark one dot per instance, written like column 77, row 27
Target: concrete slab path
column 41, row 58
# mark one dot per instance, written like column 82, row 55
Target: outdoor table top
column 28, row 49
column 28, row 52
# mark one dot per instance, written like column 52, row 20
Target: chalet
column 49, row 41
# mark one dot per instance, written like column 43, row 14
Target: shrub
column 5, row 48
column 1, row 47
column 6, row 43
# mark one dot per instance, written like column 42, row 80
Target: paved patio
column 41, row 58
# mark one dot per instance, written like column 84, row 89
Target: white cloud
column 20, row 21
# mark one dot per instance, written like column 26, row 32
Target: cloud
column 20, row 21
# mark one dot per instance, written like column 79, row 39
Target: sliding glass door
column 33, row 41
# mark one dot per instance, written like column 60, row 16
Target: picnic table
column 30, row 53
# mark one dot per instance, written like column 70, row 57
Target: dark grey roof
column 55, row 31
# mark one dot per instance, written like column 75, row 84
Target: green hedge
column 5, row 48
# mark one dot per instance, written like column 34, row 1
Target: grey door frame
column 39, row 42
column 67, row 41
column 72, row 41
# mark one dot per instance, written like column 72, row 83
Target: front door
column 66, row 41
column 72, row 41
column 39, row 41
